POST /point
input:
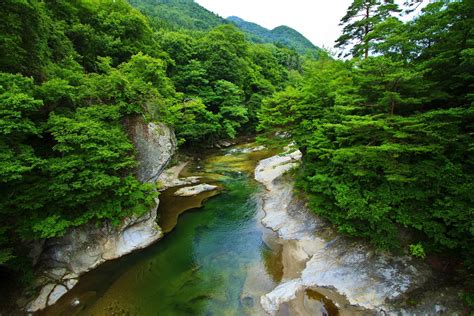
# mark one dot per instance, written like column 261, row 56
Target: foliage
column 360, row 20
column 73, row 72
column 282, row 35
column 387, row 140
column 228, row 75
column 418, row 251
column 178, row 14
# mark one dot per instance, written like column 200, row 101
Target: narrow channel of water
column 204, row 266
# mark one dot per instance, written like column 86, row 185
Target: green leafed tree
column 360, row 20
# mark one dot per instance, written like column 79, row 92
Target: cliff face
column 62, row 260
column 155, row 144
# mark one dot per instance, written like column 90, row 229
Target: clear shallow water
column 214, row 262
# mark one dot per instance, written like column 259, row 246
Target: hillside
column 178, row 14
column 282, row 35
column 187, row 14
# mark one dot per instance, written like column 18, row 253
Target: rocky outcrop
column 64, row 259
column 317, row 258
column 170, row 177
column 195, row 190
column 155, row 144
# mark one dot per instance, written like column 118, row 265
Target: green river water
column 216, row 258
column 213, row 262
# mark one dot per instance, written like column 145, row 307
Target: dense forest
column 73, row 71
column 386, row 133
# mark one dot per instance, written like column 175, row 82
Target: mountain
column 187, row 14
column 283, row 35
column 178, row 14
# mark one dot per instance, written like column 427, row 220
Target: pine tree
column 361, row 18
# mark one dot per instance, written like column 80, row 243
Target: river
column 214, row 260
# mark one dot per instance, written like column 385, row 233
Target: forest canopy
column 386, row 133
column 71, row 72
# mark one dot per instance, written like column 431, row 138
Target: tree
column 361, row 18
column 389, row 87
column 194, row 123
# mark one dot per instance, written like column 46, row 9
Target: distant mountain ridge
column 283, row 35
column 187, row 14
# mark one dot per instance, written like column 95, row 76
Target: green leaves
column 361, row 19
column 380, row 152
column 194, row 123
column 14, row 110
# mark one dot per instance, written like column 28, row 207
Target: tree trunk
column 366, row 32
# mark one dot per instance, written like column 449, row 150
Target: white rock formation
column 170, row 177
column 64, row 259
column 195, row 190
column 328, row 261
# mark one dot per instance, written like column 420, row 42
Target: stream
column 214, row 259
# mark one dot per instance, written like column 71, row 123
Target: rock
column 245, row 150
column 55, row 295
column 282, row 134
column 224, row 143
column 195, row 190
column 155, row 144
column 71, row 283
column 56, row 273
column 170, row 177
column 36, row 248
column 41, row 301
column 70, row 276
column 274, row 167
column 340, row 265
column 258, row 148
column 283, row 293
column 83, row 248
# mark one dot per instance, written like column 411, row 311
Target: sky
column 317, row 20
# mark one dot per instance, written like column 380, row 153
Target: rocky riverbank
column 62, row 260
column 358, row 279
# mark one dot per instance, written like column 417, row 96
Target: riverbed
column 214, row 259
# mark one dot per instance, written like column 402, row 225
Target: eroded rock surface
column 155, row 144
column 314, row 256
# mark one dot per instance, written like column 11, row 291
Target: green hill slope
column 187, row 14
column 283, row 35
column 178, row 14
